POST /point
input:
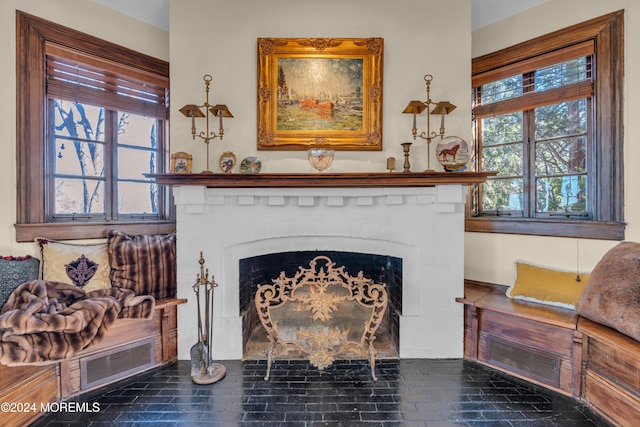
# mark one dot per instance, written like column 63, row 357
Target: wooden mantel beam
column 321, row 180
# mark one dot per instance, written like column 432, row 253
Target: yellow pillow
column 84, row 265
column 546, row 285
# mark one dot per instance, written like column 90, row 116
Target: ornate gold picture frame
column 320, row 93
column 181, row 162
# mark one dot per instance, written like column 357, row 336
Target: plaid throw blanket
column 44, row 322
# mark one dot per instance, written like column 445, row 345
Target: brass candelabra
column 195, row 111
column 417, row 107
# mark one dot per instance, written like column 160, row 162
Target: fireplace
column 263, row 269
column 422, row 226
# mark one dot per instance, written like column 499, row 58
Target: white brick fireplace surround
column 423, row 226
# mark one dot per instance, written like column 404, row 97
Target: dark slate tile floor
column 409, row 392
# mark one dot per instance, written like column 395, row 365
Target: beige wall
column 85, row 16
column 219, row 38
column 490, row 257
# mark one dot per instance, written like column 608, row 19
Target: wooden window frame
column 607, row 34
column 33, row 34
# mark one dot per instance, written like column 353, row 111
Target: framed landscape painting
column 320, row 93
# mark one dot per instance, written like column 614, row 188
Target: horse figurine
column 450, row 152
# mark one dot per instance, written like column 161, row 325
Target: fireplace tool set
column 203, row 369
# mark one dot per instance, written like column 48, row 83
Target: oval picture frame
column 227, row 162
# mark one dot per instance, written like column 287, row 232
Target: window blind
column 530, row 97
column 81, row 77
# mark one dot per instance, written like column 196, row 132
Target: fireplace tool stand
column 203, row 369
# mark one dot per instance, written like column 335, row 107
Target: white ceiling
column 154, row 12
column 484, row 12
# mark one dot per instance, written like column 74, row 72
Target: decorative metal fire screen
column 322, row 313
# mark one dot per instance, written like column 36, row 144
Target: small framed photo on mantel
column 227, row 162
column 181, row 162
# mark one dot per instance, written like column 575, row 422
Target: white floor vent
column 117, row 363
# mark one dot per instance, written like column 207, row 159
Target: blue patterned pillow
column 15, row 271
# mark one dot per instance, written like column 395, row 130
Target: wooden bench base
column 532, row 341
column 24, row 389
column 611, row 373
column 155, row 339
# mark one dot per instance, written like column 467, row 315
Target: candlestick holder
column 406, row 146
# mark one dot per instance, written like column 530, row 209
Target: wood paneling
column 613, row 403
column 611, row 370
column 31, row 385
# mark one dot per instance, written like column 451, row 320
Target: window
column 534, row 128
column 547, row 119
column 84, row 149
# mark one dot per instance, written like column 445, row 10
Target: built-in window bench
column 129, row 347
column 536, row 342
column 555, row 348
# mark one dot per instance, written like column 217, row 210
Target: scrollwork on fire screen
column 321, row 312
